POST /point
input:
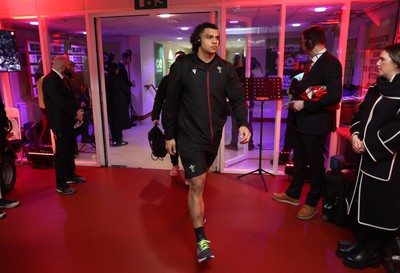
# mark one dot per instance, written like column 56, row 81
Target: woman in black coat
column 117, row 106
column 375, row 136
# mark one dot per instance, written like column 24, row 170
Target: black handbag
column 157, row 143
column 337, row 185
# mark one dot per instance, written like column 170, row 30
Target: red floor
column 136, row 220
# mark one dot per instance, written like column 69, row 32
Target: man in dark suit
column 123, row 74
column 64, row 114
column 314, row 119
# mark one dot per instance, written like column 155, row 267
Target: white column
column 342, row 48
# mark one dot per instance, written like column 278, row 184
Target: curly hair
column 195, row 37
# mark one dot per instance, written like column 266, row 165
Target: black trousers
column 64, row 161
column 290, row 132
column 85, row 126
column 373, row 239
column 174, row 159
column 308, row 150
column 116, row 136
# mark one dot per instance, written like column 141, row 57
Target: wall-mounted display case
column 76, row 53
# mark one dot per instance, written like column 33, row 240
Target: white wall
column 142, row 67
column 148, row 74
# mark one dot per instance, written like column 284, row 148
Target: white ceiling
column 264, row 21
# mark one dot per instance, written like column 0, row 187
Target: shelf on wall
column 77, row 54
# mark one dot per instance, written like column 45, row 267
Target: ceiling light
column 33, row 23
column 24, row 17
column 84, row 32
column 179, row 38
column 164, row 15
column 234, row 21
column 296, row 25
column 320, row 9
column 184, row 28
column 327, row 22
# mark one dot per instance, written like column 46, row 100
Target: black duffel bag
column 157, row 143
column 337, row 185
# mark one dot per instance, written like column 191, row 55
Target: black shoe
column 76, row 179
column 342, row 243
column 8, row 204
column 66, row 190
column 232, row 147
column 361, row 260
column 117, row 144
column 346, row 248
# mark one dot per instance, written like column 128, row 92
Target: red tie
column 308, row 67
column 65, row 80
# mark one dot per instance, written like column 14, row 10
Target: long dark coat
column 377, row 123
column 117, row 104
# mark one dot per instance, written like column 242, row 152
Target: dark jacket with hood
column 196, row 103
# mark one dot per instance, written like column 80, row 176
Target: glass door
column 149, row 42
column 249, row 30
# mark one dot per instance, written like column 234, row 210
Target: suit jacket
column 123, row 74
column 60, row 102
column 314, row 119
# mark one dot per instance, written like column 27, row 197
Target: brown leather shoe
column 307, row 212
column 282, row 197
